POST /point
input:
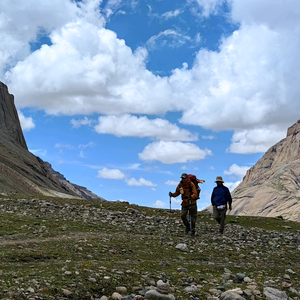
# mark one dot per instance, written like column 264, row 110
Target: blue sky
column 123, row 96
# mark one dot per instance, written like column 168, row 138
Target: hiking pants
column 192, row 209
column 220, row 216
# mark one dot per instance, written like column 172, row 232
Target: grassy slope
column 50, row 244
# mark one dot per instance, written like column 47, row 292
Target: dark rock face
column 10, row 128
column 20, row 170
column 271, row 188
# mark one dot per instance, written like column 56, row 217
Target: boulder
column 274, row 294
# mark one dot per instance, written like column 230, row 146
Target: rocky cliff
column 10, row 128
column 271, row 188
column 20, row 170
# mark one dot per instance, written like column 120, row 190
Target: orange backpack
column 195, row 182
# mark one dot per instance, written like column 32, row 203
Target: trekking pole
column 191, row 228
column 170, row 216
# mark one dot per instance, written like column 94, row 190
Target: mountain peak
column 272, row 186
column 294, row 129
column 23, row 172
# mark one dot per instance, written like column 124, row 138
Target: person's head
column 219, row 181
column 184, row 176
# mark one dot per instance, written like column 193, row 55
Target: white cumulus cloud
column 111, row 174
column 250, row 85
column 173, row 152
column 127, row 125
column 276, row 14
column 26, row 122
column 82, row 122
column 236, row 170
column 159, row 204
column 255, row 140
column 172, row 182
column 232, row 185
column 141, row 182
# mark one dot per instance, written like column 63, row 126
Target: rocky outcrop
column 10, row 128
column 20, row 170
column 271, row 188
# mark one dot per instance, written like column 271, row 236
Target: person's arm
column 177, row 192
column 229, row 199
column 194, row 192
column 212, row 197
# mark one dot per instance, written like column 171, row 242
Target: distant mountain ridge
column 20, row 170
column 81, row 191
column 271, row 187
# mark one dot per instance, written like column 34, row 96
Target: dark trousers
column 220, row 216
column 192, row 209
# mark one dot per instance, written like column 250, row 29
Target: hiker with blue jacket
column 220, row 197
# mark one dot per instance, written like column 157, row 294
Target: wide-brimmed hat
column 184, row 176
column 219, row 179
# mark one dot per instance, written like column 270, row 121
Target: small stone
column 104, row 298
column 247, row 293
column 191, row 280
column 30, row 290
column 182, row 247
column 163, row 287
column 116, row 296
column 132, row 211
column 214, row 291
column 286, row 284
column 68, row 272
column 155, row 295
column 191, row 289
column 240, row 276
column 231, row 296
column 252, row 286
column 256, row 292
column 182, row 269
column 237, row 291
column 228, row 276
column 66, row 292
column 247, row 279
column 122, row 290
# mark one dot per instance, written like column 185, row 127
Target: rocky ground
column 53, row 248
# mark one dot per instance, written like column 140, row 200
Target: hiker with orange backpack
column 189, row 195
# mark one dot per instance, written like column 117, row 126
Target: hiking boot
column 221, row 231
column 187, row 230
column 193, row 234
